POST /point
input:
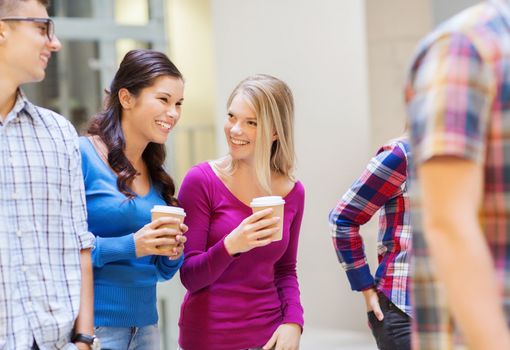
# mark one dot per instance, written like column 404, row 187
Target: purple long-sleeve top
column 237, row 302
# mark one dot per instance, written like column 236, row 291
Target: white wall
column 394, row 28
column 442, row 9
column 319, row 49
column 191, row 49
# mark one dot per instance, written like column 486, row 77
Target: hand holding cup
column 253, row 232
column 166, row 232
column 164, row 235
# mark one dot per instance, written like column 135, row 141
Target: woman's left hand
column 286, row 337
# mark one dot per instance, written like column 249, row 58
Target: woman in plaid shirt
column 381, row 186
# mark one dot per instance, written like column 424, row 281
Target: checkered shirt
column 381, row 186
column 458, row 99
column 42, row 228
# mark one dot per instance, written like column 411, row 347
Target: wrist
column 82, row 346
column 294, row 325
column 86, row 341
column 229, row 246
column 371, row 299
column 370, row 287
column 369, row 292
column 137, row 248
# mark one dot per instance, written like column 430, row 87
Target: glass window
column 72, row 83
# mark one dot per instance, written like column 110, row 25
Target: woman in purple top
column 243, row 291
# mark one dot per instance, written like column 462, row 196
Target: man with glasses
column 45, row 266
column 46, row 25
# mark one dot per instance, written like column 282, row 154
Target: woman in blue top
column 122, row 160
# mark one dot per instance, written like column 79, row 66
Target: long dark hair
column 138, row 70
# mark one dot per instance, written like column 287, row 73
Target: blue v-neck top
column 124, row 285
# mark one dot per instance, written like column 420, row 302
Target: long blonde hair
column 272, row 102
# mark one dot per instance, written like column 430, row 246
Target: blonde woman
column 243, row 291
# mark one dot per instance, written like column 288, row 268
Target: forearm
column 109, row 249
column 288, row 291
column 348, row 245
column 451, row 191
column 201, row 269
column 166, row 267
column 85, row 321
column 465, row 267
column 376, row 187
column 286, row 280
column 287, row 284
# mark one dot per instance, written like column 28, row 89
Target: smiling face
column 24, row 46
column 150, row 116
column 241, row 130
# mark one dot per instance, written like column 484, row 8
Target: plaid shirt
column 381, row 186
column 458, row 99
column 43, row 227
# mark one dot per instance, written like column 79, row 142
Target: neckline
column 113, row 174
column 21, row 104
column 233, row 196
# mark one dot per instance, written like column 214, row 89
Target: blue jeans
column 129, row 338
column 394, row 331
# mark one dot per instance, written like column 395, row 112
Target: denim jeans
column 394, row 331
column 129, row 338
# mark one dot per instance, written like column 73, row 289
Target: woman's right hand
column 150, row 238
column 253, row 232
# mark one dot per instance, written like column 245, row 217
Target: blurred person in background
column 459, row 111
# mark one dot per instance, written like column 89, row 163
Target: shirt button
column 18, row 233
column 11, row 160
column 24, row 268
column 29, row 304
column 15, row 195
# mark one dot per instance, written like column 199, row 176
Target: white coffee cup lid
column 267, row 201
column 168, row 209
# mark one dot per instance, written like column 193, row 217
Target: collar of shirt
column 22, row 104
column 503, row 6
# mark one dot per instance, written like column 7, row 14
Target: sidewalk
column 330, row 339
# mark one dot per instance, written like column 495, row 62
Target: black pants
column 394, row 331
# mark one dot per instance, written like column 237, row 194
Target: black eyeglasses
column 48, row 24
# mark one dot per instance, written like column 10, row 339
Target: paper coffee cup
column 275, row 202
column 160, row 211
